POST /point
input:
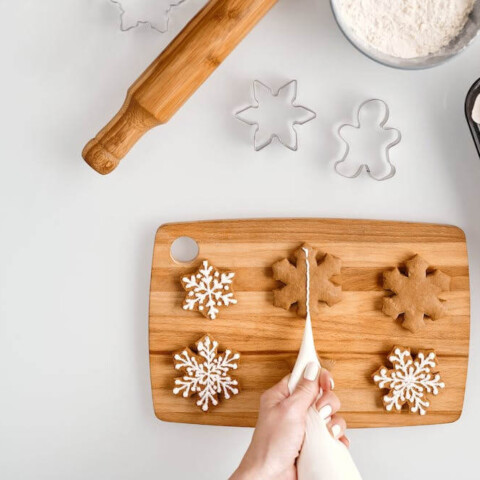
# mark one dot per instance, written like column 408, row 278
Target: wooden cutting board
column 353, row 338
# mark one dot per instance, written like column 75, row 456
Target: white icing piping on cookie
column 307, row 262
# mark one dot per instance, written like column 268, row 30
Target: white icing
column 208, row 289
column 409, row 381
column 476, row 110
column 207, row 377
column 322, row 457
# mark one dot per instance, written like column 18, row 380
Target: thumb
column 307, row 388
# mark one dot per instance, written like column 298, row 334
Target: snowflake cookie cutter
column 126, row 26
column 388, row 147
column 282, row 92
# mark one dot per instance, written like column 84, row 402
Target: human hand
column 280, row 429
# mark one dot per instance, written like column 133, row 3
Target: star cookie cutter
column 291, row 97
column 154, row 25
column 357, row 126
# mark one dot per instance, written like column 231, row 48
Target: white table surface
column 76, row 247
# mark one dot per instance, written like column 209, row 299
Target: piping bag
column 322, row 457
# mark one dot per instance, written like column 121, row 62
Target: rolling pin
column 174, row 76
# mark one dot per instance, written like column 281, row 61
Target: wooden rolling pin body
column 174, row 76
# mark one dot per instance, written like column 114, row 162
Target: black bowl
column 472, row 94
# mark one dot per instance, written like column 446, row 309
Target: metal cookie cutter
column 167, row 6
column 358, row 126
column 288, row 93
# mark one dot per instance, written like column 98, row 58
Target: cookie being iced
column 322, row 267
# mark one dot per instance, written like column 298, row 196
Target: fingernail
column 325, row 411
column 336, row 430
column 332, row 383
column 311, row 372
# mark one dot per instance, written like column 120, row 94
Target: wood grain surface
column 174, row 76
column 353, row 337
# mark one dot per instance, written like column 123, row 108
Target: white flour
column 405, row 28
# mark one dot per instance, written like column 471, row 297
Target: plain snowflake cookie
column 208, row 289
column 206, row 373
column 416, row 293
column 293, row 274
column 409, row 381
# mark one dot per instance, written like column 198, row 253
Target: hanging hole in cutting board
column 184, row 250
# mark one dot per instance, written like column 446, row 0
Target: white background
column 76, row 247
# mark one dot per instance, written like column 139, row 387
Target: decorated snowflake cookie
column 409, row 381
column 206, row 373
column 416, row 293
column 207, row 290
column 322, row 267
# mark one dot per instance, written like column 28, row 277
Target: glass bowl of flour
column 409, row 34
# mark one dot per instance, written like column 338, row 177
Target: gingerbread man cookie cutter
column 287, row 92
column 164, row 20
column 386, row 150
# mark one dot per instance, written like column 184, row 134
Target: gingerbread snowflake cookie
column 208, row 289
column 322, row 267
column 409, row 381
column 206, row 373
column 416, row 294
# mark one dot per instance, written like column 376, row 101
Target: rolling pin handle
column 104, row 152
